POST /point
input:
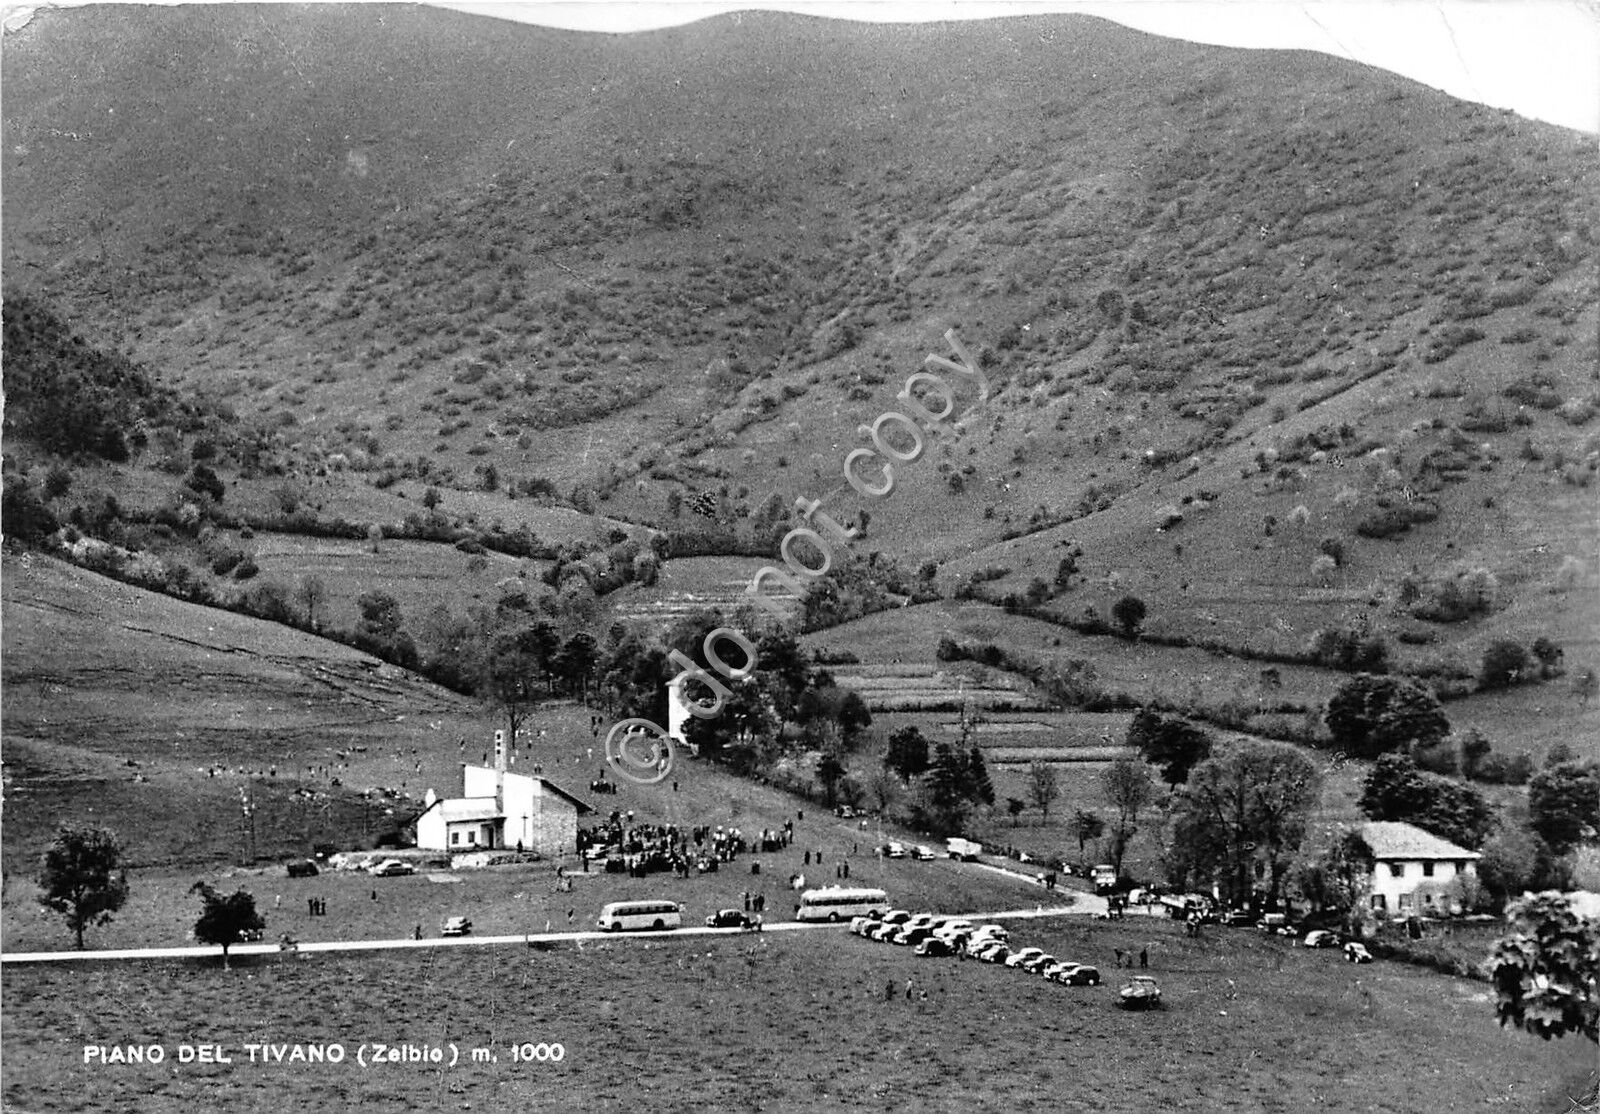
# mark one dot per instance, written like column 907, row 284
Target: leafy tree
column 908, row 752
column 576, row 661
column 26, row 516
column 57, row 481
column 204, row 481
column 82, row 878
column 431, row 498
column 311, row 593
column 1014, row 807
column 1170, row 742
column 1338, row 882
column 743, row 733
column 1396, row 790
column 1128, row 787
column 1504, row 664
column 1129, row 613
column 1516, row 861
column 1548, row 654
column 1564, row 804
column 1086, row 826
column 513, row 669
column 829, row 772
column 224, row 921
column 1544, row 969
column 1371, row 715
column 979, row 788
column 1252, row 799
column 1042, row 787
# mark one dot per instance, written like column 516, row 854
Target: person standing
column 1144, row 957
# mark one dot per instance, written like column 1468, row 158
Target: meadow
column 812, row 1020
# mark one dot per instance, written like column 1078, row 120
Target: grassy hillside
column 1190, row 272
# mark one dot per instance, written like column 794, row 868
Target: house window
column 1427, row 870
column 1405, row 902
column 1397, row 870
column 455, row 838
column 472, row 839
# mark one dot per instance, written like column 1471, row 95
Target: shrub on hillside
column 1505, row 663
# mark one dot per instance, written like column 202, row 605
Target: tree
column 575, row 663
column 979, row 788
column 1564, row 804
column 1014, row 807
column 1086, row 826
column 1504, row 664
column 1129, row 613
column 225, row 921
column 1371, row 715
column 1396, row 790
column 946, row 786
column 1252, row 799
column 829, row 772
column 1544, row 969
column 82, row 878
column 1170, row 742
column 1128, row 787
column 203, row 481
column 1042, row 787
column 311, row 593
column 1337, row 883
column 1516, row 861
column 908, row 752
column 431, row 498
column 513, row 669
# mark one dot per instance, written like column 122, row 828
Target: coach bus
column 620, row 915
column 840, row 903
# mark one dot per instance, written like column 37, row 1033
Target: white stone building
column 1415, row 872
column 498, row 809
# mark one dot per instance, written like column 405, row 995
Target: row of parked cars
column 932, row 935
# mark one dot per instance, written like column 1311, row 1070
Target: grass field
column 790, row 1021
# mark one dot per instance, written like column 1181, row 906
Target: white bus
column 840, row 903
column 621, row 915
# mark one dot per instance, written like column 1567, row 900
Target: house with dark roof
column 499, row 809
column 1415, row 872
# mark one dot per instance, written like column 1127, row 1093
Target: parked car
column 935, row 946
column 305, row 868
column 895, row 850
column 923, row 854
column 1276, row 924
column 1357, row 953
column 1234, row 918
column 1321, row 938
column 456, row 926
column 883, row 932
column 845, row 812
column 392, row 867
column 1018, row 958
column 1037, row 964
column 909, row 936
column 993, row 931
column 1140, row 993
column 1077, row 974
column 994, row 953
column 860, row 926
column 953, row 925
column 728, row 918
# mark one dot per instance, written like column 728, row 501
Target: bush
column 1505, row 663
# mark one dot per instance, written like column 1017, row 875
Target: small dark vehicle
column 728, row 918
column 304, row 869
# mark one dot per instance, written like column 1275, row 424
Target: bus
column 840, row 903
column 621, row 915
